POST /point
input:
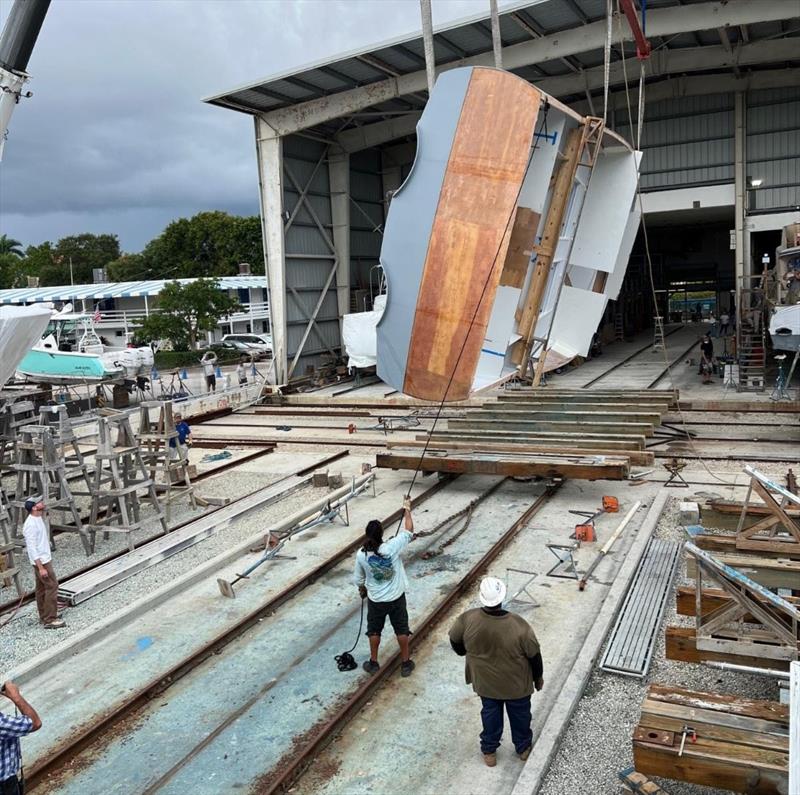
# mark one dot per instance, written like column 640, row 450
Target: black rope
column 345, row 661
column 535, row 146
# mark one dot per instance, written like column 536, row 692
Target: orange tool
column 585, row 533
column 610, row 505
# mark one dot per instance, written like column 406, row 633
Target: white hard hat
column 493, row 591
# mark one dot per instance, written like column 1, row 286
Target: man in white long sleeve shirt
column 381, row 579
column 37, row 544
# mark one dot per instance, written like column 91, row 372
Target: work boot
column 407, row 667
column 57, row 624
column 370, row 666
column 490, row 759
column 523, row 755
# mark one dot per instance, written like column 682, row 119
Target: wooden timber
column 635, row 456
column 734, row 507
column 562, row 187
column 567, row 404
column 715, row 542
column 528, row 465
column 710, row 599
column 769, row 572
column 470, row 234
column 681, row 644
column 620, row 442
column 741, row 744
column 555, row 425
column 565, row 415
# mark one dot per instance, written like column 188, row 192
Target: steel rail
column 626, row 360
column 671, row 364
column 29, row 596
column 295, row 765
column 40, row 774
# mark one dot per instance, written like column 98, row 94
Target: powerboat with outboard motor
column 71, row 351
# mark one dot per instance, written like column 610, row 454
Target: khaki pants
column 47, row 594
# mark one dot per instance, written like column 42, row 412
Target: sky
column 116, row 138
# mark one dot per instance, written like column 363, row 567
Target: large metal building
column 721, row 141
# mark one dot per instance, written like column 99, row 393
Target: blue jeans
column 519, row 716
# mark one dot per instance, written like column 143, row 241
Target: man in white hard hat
column 504, row 665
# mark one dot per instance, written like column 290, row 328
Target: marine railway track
column 85, row 746
column 16, row 603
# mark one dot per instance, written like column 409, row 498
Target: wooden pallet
column 741, row 744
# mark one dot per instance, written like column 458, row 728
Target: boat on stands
column 71, row 352
column 784, row 321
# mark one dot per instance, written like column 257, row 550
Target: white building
column 121, row 303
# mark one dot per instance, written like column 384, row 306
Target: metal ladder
column 658, row 333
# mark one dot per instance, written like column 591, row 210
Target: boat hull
column 63, row 367
column 784, row 328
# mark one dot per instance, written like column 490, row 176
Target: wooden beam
column 576, row 415
column 559, row 198
column 714, row 542
column 508, row 465
column 588, row 440
column 634, row 456
column 555, row 425
column 681, row 644
column 568, row 404
column 734, row 507
column 771, row 573
column 710, row 599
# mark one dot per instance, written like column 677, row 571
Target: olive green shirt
column 499, row 653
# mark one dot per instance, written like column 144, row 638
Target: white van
column 253, row 341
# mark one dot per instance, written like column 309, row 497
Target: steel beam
column 339, row 177
column 368, row 135
column 740, row 188
column 269, row 156
column 660, row 22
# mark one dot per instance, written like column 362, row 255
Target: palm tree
column 10, row 246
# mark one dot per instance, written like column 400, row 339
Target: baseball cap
column 493, row 591
column 29, row 505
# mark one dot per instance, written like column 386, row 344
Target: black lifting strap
column 345, row 661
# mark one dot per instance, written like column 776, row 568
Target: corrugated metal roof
column 35, row 295
column 463, row 39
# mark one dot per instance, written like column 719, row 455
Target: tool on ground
column 565, row 563
column 515, row 597
column 582, row 583
column 585, row 531
column 689, row 732
column 345, row 661
column 674, row 466
column 274, row 546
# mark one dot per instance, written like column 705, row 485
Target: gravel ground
column 23, row 637
column 597, row 744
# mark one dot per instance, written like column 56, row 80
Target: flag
column 96, row 317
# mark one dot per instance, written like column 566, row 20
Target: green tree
column 131, row 268
column 87, row 251
column 40, row 261
column 13, row 270
column 208, row 244
column 185, row 310
column 10, row 246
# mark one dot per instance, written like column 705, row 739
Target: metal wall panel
column 366, row 216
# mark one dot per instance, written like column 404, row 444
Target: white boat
column 784, row 328
column 20, row 327
column 70, row 351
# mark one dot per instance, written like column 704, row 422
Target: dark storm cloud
column 116, row 139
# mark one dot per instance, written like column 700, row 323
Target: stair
column 752, row 362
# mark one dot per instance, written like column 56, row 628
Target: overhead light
column 756, row 183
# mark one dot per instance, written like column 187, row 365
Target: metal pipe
column 20, row 33
column 497, row 41
column 427, row 38
column 748, row 669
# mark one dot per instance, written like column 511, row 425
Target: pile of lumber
column 736, row 743
column 541, row 431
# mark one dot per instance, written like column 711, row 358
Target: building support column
column 740, row 187
column 339, row 177
column 269, row 155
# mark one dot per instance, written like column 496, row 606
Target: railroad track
column 286, row 670
column 18, row 602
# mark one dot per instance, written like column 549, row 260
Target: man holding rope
column 381, row 580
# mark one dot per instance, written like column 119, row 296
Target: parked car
column 242, row 348
column 254, row 342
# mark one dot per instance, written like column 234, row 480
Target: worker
column 11, row 730
column 241, row 371
column 209, row 361
column 37, row 544
column 503, row 665
column 381, row 580
column 179, row 445
column 724, row 319
column 706, row 355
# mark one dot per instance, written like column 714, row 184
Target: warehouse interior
column 721, row 134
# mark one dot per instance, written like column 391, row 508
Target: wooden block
column 767, row 571
column 518, row 255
